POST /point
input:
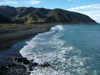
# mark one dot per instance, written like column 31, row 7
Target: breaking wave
column 49, row 47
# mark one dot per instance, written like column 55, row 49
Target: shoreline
column 18, row 34
column 12, row 35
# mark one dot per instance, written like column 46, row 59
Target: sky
column 88, row 7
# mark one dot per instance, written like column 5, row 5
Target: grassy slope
column 41, row 15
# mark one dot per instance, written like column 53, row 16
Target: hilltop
column 32, row 15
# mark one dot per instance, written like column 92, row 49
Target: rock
column 35, row 64
column 11, row 64
column 25, row 61
column 15, row 67
column 66, row 57
column 6, row 46
column 32, row 66
column 17, row 59
column 3, row 67
column 45, row 64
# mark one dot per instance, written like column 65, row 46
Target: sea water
column 70, row 49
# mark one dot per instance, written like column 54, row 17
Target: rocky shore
column 13, row 69
column 22, row 66
column 19, row 66
column 10, row 36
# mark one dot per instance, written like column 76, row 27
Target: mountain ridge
column 42, row 15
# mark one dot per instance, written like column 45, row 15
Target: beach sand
column 14, row 34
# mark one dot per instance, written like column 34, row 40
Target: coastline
column 22, row 33
column 12, row 35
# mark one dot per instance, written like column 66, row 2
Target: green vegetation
column 40, row 15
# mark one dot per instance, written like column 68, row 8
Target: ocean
column 70, row 49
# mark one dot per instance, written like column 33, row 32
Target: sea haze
column 70, row 49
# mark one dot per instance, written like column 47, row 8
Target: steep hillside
column 4, row 19
column 42, row 15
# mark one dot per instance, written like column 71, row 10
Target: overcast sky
column 88, row 7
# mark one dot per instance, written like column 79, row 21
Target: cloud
column 95, row 6
column 8, row 2
column 92, row 11
column 33, row 2
column 94, row 14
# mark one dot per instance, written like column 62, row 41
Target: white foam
column 34, row 42
column 57, row 27
column 81, row 63
column 47, row 47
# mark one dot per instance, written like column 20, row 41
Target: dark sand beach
column 10, row 35
column 14, row 34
